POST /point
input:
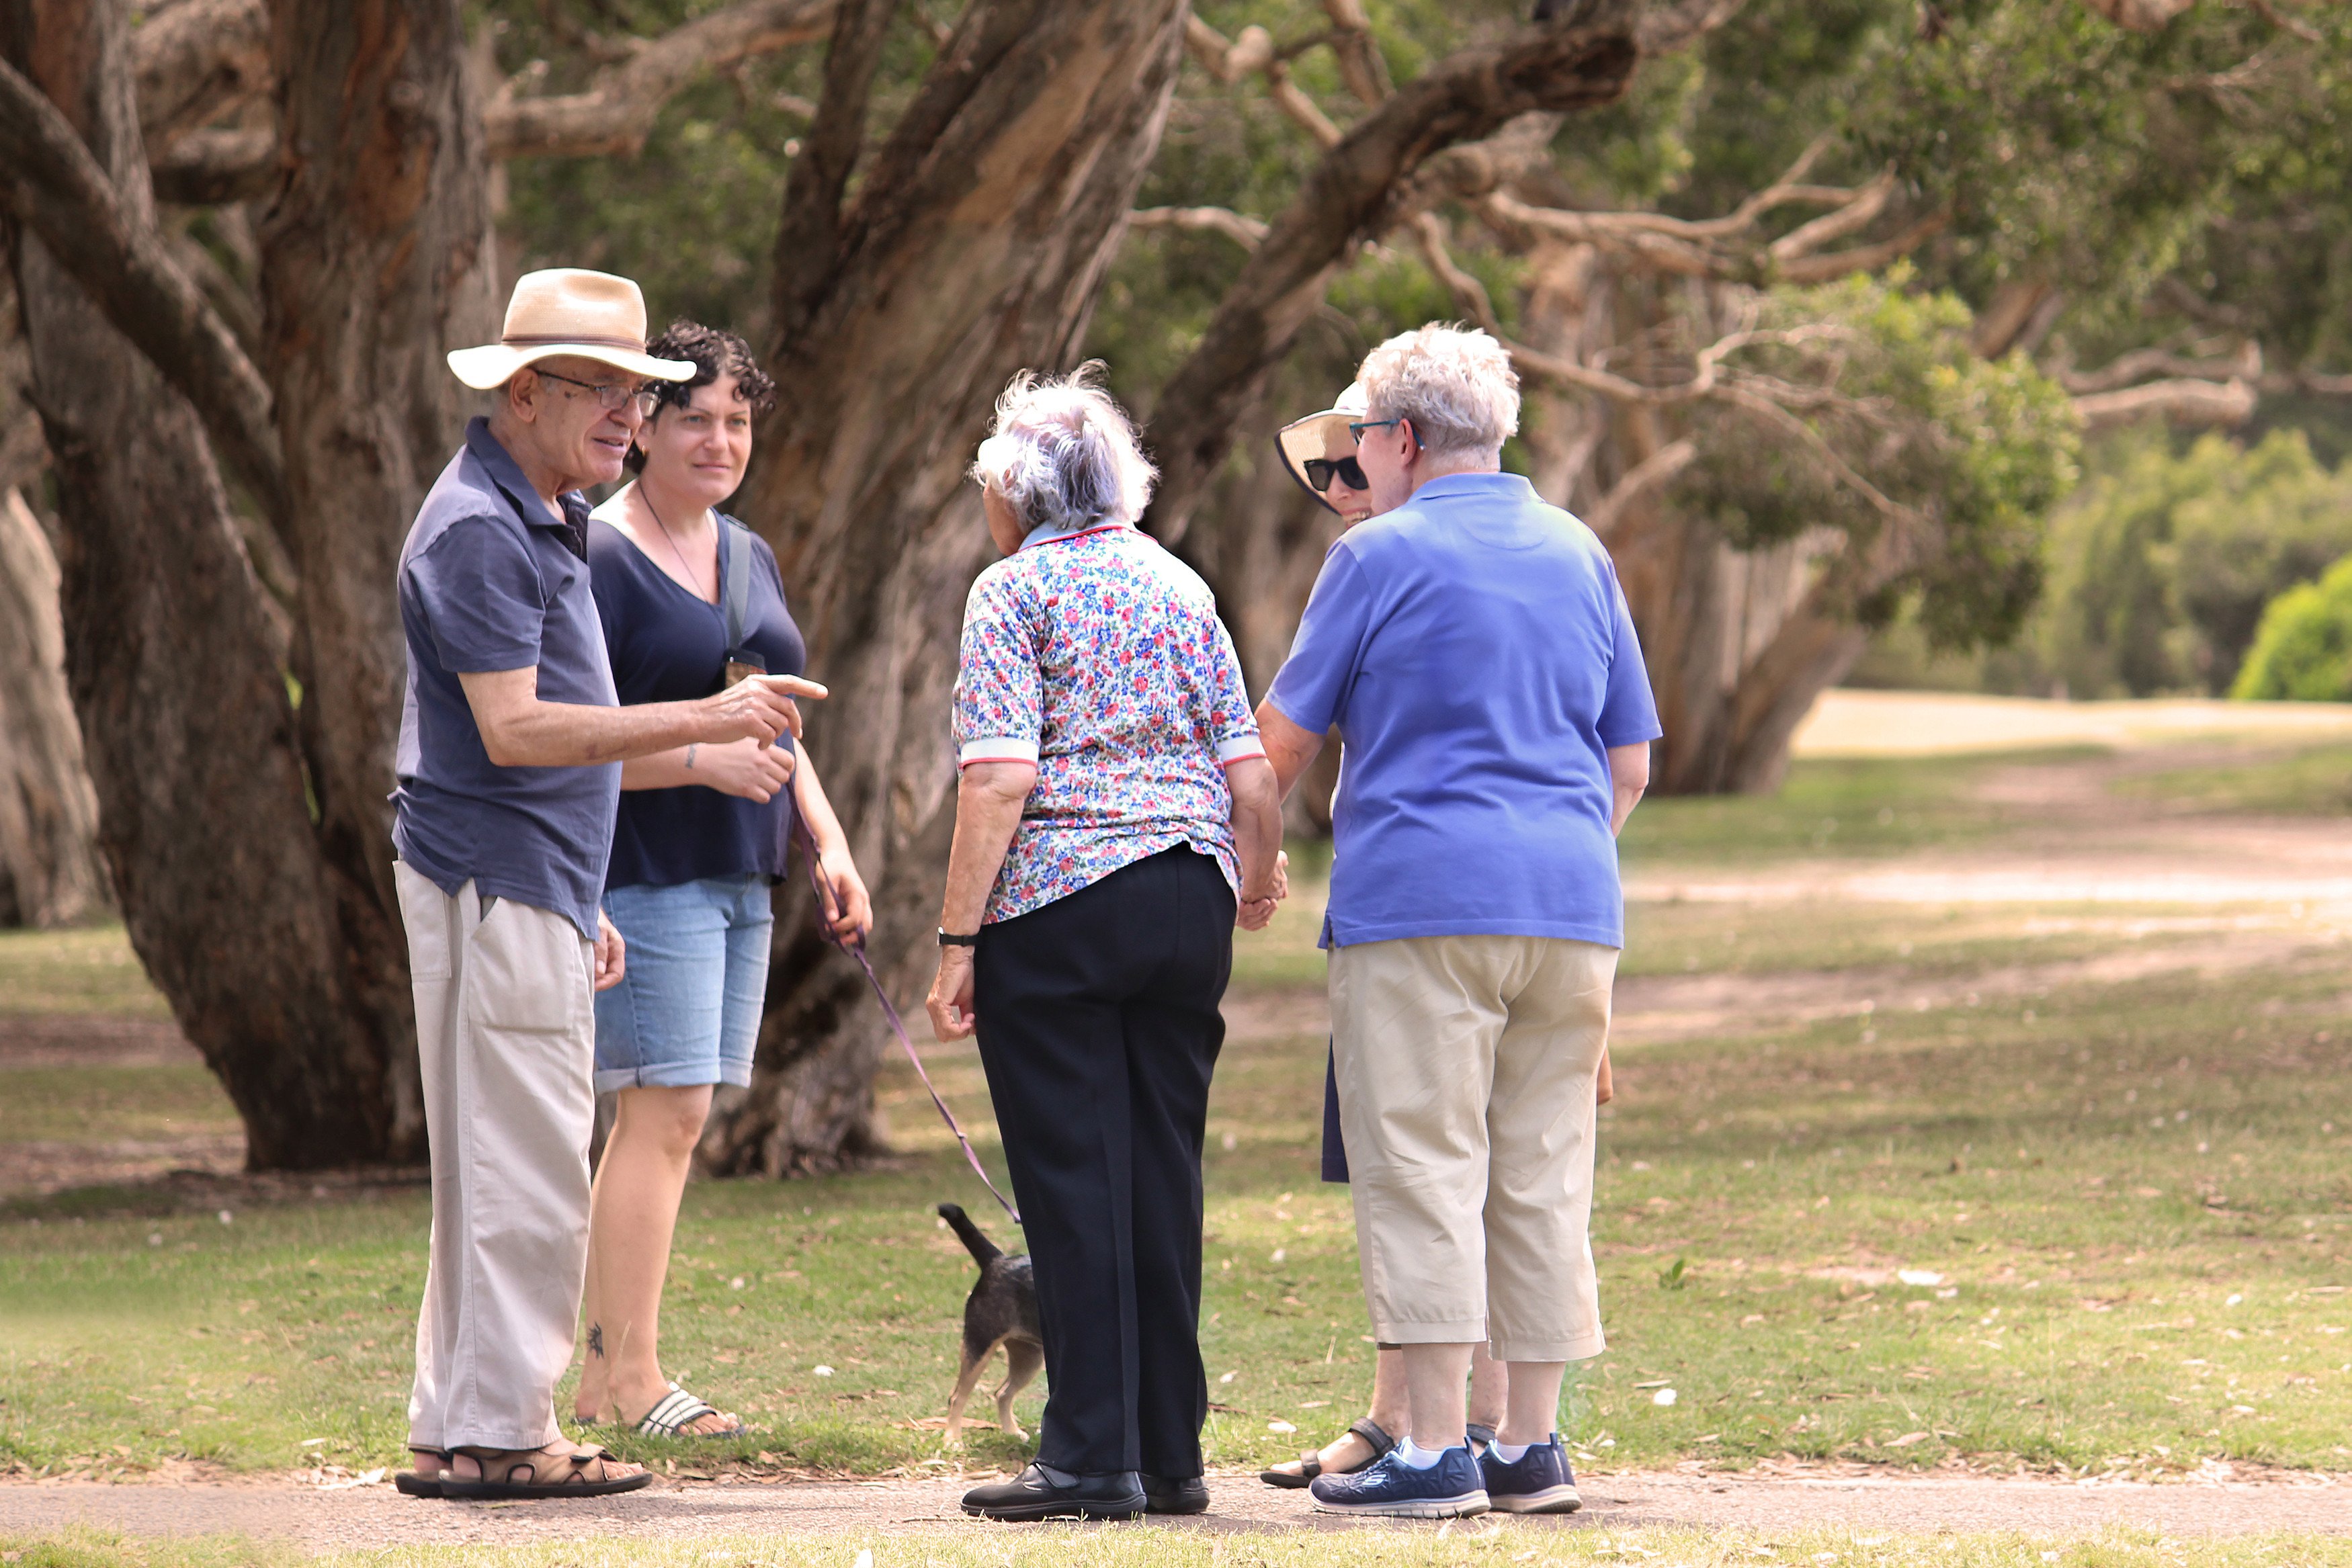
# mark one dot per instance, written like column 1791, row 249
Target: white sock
column 1511, row 1453
column 1414, row 1456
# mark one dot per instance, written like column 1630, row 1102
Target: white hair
column 1456, row 383
column 1063, row 452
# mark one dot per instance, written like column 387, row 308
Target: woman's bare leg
column 1348, row 1451
column 1490, row 1386
column 632, row 1214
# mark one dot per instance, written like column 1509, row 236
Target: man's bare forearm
column 576, row 735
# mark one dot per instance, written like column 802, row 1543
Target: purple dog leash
column 855, row 948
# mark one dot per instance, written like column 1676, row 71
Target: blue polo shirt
column 492, row 580
column 1475, row 652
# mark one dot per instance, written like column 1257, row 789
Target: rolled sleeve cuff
column 997, row 749
column 1240, row 749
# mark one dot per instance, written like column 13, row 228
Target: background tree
column 244, row 404
column 1774, row 294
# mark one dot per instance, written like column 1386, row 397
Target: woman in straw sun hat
column 509, row 766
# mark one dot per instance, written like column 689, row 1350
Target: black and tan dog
column 1001, row 1311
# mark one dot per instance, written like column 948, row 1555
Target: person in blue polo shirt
column 1474, row 649
column 509, row 773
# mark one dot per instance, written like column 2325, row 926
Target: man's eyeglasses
column 611, row 396
column 1321, row 471
column 1357, row 427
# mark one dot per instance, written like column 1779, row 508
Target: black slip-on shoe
column 1038, row 1493
column 1167, row 1494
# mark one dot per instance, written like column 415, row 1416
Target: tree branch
column 1353, row 194
column 211, row 168
column 2139, row 16
column 1839, row 263
column 2184, row 402
column 617, row 111
column 1245, row 232
column 1470, row 294
column 56, row 188
column 196, row 61
column 1658, row 469
column 1254, row 51
column 2141, row 364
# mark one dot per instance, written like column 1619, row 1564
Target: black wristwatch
column 949, row 939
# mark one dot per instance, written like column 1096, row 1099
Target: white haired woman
column 1473, row 648
column 1115, row 814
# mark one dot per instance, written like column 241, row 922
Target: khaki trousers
column 506, row 1037
column 1465, row 1068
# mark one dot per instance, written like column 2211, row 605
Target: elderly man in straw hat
column 510, row 776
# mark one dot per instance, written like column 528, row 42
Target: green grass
column 1832, row 807
column 88, row 969
column 2091, row 1257
column 1922, row 942
column 1485, row 1545
column 104, row 1104
column 2315, row 782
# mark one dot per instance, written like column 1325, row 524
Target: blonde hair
column 1063, row 452
column 1454, row 382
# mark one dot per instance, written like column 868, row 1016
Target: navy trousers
column 1099, row 1028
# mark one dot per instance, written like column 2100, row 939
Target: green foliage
column 1967, row 457
column 2165, row 558
column 2304, row 650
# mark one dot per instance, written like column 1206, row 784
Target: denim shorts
column 687, row 1008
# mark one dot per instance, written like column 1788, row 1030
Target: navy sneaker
column 1541, row 1482
column 1449, row 1488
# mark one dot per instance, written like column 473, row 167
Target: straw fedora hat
column 1303, row 440
column 567, row 312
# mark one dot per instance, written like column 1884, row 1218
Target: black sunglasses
column 1321, row 471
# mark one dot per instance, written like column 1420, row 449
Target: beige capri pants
column 1465, row 1068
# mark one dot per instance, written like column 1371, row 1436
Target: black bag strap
column 735, row 577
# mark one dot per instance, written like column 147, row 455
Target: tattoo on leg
column 596, row 1341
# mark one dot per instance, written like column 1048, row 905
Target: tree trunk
column 375, row 256
column 50, row 874
column 1736, row 647
column 173, row 666
column 1736, row 642
column 974, row 246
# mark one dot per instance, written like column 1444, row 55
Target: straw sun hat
column 566, row 312
column 1304, row 439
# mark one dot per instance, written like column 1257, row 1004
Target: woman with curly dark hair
column 690, row 600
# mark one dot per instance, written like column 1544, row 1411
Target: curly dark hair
column 715, row 354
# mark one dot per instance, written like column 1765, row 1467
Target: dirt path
column 1786, row 1499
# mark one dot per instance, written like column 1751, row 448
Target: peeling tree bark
column 182, row 704
column 974, row 246
column 375, row 256
column 50, row 874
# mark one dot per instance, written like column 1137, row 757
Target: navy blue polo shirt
column 492, row 580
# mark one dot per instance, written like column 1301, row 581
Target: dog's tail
column 975, row 1240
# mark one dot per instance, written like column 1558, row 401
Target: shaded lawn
column 2314, row 781
column 88, row 969
column 108, row 1105
column 2086, row 1316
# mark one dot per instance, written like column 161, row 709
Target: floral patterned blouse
column 1098, row 656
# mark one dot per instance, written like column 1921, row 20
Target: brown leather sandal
column 1310, row 1464
column 574, row 1481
